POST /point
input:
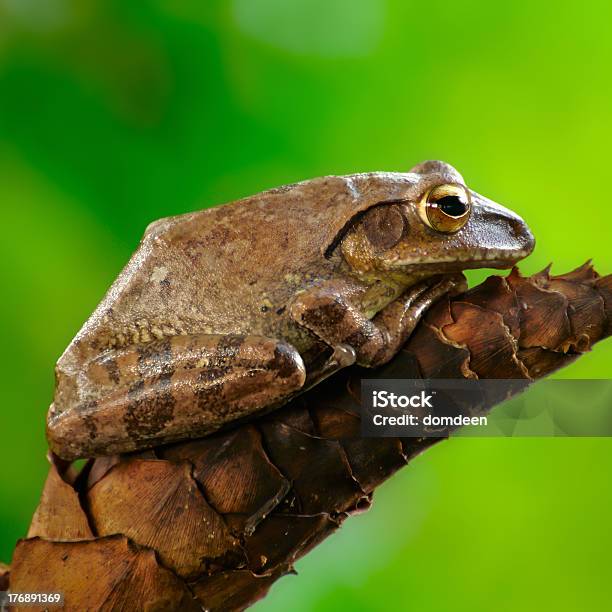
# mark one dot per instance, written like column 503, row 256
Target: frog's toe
column 344, row 355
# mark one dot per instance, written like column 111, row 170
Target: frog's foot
column 342, row 357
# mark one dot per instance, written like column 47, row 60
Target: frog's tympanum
column 234, row 310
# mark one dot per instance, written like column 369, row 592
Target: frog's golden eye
column 446, row 208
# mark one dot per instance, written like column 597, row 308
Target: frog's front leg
column 337, row 322
column 399, row 318
column 168, row 390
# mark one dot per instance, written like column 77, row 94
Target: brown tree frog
column 234, row 310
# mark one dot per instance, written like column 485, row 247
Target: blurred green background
column 113, row 114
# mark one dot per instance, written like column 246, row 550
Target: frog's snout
column 517, row 244
column 522, row 235
column 497, row 234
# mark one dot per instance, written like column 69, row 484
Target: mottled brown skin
column 233, row 310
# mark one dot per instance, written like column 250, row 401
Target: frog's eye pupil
column 452, row 205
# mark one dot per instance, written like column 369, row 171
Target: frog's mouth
column 485, row 258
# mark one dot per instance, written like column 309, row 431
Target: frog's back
column 232, row 269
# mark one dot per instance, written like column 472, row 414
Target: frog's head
column 437, row 226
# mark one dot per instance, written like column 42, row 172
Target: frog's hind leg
column 167, row 390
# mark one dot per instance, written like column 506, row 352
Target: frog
column 227, row 313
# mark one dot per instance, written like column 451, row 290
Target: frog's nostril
column 517, row 228
column 529, row 240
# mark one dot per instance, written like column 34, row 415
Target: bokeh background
column 113, row 114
